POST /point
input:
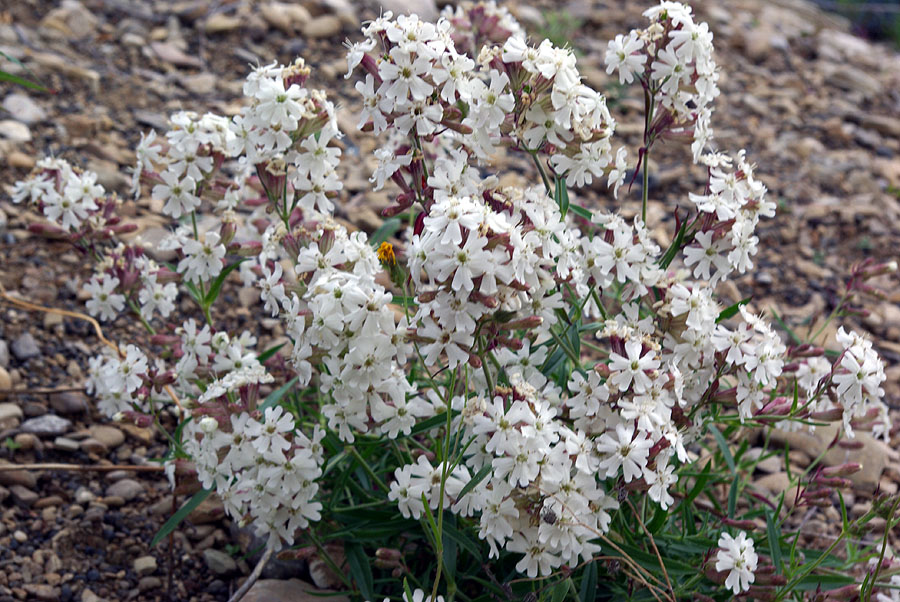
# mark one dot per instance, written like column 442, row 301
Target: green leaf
column 699, row 484
column 794, row 338
column 723, row 445
column 268, row 353
column 433, row 422
column 485, row 471
column 581, row 211
column 385, row 230
column 360, row 569
column 774, row 542
column 559, row 591
column 827, row 582
column 732, row 495
column 673, row 249
column 658, row 520
column 180, row 515
column 732, row 310
column 561, row 195
column 276, row 395
column 588, row 583
column 15, row 79
column 216, row 286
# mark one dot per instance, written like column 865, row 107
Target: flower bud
column 828, row 415
column 743, row 525
column 854, row 444
column 209, row 425
column 842, row 470
column 246, row 249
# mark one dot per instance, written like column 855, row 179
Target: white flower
column 625, row 55
column 624, row 451
column 202, row 260
column 737, row 556
column 103, row 301
column 178, row 193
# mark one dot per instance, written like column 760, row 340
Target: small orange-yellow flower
column 386, row 253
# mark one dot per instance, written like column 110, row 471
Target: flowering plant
column 523, row 386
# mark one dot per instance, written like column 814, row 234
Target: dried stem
column 254, row 576
column 81, row 467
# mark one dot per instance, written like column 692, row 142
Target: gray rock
column 287, row 590
column 65, row 444
column 23, row 496
column 324, row 26
column 69, row 402
column 84, row 496
column 25, row 347
column 4, row 354
column 72, row 18
column 48, row 425
column 23, row 108
column 200, row 83
column 14, row 130
column 219, row 562
column 145, row 565
column 127, row 489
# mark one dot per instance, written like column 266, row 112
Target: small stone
column 26, row 441
column 145, row 565
column 5, row 383
column 23, row 496
column 221, row 23
column 69, row 402
column 171, row 54
column 25, row 347
column 14, row 130
column 149, row 583
column 427, row 10
column 142, row 435
column 219, row 562
column 51, row 320
column 209, row 510
column 72, row 19
column 84, row 496
column 20, row 160
column 323, row 26
column 127, row 489
column 10, row 413
column 46, row 502
column 200, row 83
column 109, row 436
column 853, row 79
column 9, row 478
column 41, row 591
column 286, row 17
column 23, row 108
column 88, row 596
column 65, row 444
column 276, row 590
column 20, row 536
column 4, row 354
column 48, row 425
column 33, row 408
column 93, row 446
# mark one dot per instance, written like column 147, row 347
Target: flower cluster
column 571, row 361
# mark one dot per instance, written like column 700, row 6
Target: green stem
column 439, row 539
column 368, row 469
column 542, row 171
column 884, row 541
column 648, row 119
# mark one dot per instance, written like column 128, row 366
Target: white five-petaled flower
column 104, row 302
column 736, row 555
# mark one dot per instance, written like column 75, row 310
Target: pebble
column 23, row 108
column 145, row 565
column 284, row 590
column 65, row 444
column 72, row 19
column 23, row 496
column 219, row 562
column 14, row 130
column 323, row 26
column 109, row 436
column 4, row 354
column 200, row 83
column 92, row 446
column 42, row 591
column 10, row 413
column 20, row 160
column 5, row 382
column 25, row 478
column 149, row 583
column 427, row 10
column 46, row 425
column 25, row 441
column 127, row 489
column 69, row 402
column 20, row 536
column 286, row 17
column 84, row 495
column 221, row 23
column 25, row 347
